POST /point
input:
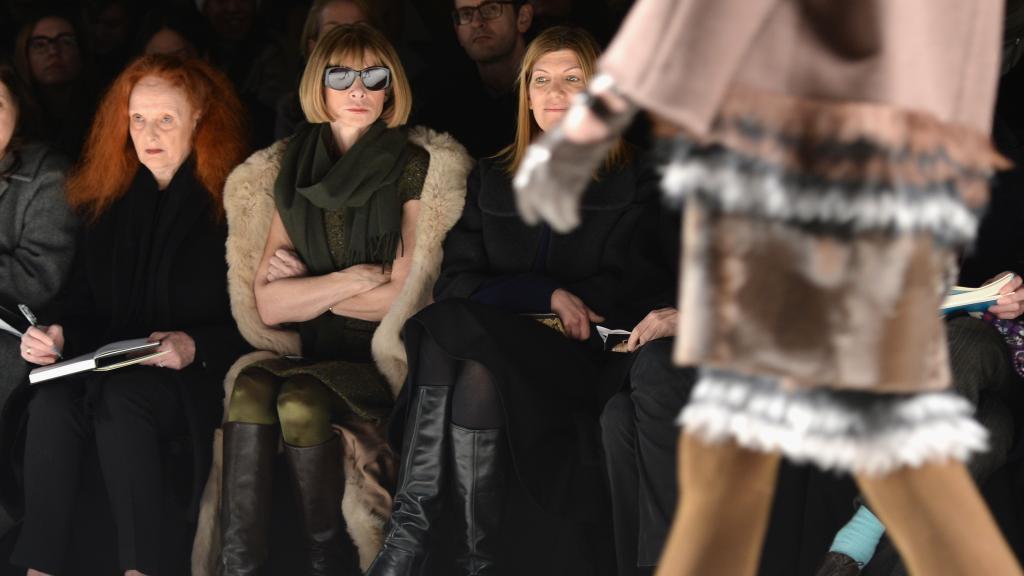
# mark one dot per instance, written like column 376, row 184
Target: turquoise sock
column 859, row 538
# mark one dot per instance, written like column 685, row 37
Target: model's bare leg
column 939, row 522
column 725, row 500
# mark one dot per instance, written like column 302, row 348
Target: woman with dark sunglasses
column 343, row 244
column 494, row 396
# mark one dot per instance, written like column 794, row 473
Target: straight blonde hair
column 551, row 40
column 354, row 42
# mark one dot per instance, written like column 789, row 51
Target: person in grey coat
column 37, row 229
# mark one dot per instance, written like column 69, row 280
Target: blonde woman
column 508, row 393
column 337, row 255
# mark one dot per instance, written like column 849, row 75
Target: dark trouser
column 13, row 371
column 982, row 373
column 640, row 438
column 133, row 413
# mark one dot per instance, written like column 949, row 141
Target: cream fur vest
column 249, row 203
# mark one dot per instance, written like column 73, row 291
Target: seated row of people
column 346, row 236
column 389, row 407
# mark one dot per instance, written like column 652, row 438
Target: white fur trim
column 724, row 184
column 441, row 202
column 871, row 434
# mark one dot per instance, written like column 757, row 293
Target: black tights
column 476, row 403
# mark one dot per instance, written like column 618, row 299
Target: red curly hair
column 109, row 162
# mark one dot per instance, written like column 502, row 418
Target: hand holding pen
column 41, row 345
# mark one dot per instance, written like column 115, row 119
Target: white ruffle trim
column 870, row 434
column 770, row 194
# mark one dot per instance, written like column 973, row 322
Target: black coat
column 547, row 382
column 594, row 261
column 153, row 261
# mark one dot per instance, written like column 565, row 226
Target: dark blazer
column 118, row 292
column 37, row 233
column 491, row 244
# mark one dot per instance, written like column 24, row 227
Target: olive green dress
column 336, row 349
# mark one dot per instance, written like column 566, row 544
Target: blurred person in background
column 252, row 57
column 51, row 56
column 179, row 31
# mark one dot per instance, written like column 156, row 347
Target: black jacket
column 491, row 244
column 154, row 261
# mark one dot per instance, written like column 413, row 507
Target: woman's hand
column 285, row 263
column 42, row 345
column 657, row 324
column 1011, row 304
column 574, row 314
column 365, row 277
column 180, row 350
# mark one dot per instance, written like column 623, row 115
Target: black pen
column 27, row 313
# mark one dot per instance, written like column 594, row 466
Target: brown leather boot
column 319, row 484
column 245, row 496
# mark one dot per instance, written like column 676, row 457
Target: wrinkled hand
column 285, row 263
column 365, row 277
column 42, row 345
column 1011, row 304
column 657, row 324
column 574, row 314
column 180, row 350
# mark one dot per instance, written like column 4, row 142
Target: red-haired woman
column 150, row 263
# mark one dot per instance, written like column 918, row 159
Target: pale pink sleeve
column 676, row 58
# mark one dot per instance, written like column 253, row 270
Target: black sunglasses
column 341, row 77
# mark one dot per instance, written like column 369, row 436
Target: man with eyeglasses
column 481, row 113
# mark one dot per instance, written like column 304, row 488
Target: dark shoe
column 319, row 483
column 245, row 496
column 420, row 484
column 838, row 564
column 479, row 457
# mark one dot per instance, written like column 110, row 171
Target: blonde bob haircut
column 551, row 40
column 344, row 45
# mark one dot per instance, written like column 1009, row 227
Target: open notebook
column 110, row 357
column 965, row 299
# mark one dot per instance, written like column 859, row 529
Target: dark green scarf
column 363, row 182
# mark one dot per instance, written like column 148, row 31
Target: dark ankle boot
column 420, row 484
column 319, row 484
column 245, row 496
column 838, row 564
column 479, row 457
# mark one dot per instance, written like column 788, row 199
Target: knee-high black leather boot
column 420, row 484
column 245, row 496
column 479, row 470
column 319, row 483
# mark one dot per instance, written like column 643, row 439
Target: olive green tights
column 300, row 403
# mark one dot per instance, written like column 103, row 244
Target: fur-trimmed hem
column 863, row 433
column 771, row 125
column 728, row 184
column 836, row 167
